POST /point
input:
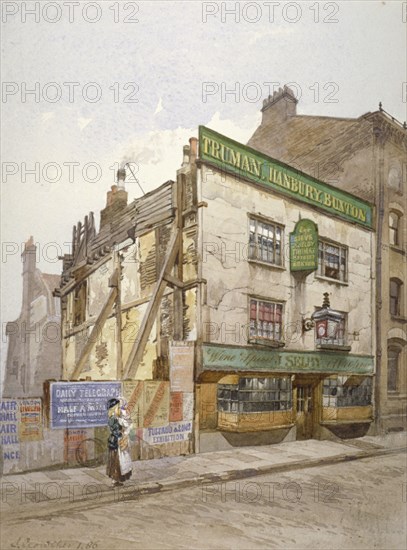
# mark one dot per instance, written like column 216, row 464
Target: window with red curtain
column 265, row 319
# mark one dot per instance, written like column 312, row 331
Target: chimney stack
column 29, row 256
column 29, row 266
column 276, row 110
column 116, row 200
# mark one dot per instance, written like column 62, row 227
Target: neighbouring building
column 366, row 156
column 33, row 356
column 34, row 345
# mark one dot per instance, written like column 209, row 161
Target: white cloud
column 270, row 33
column 47, row 116
column 239, row 131
column 159, row 106
column 83, row 122
column 157, row 155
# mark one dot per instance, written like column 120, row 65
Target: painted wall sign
column 304, row 246
column 81, row 404
column 182, row 366
column 231, row 156
column 171, row 433
column 9, row 430
column 30, row 426
column 240, row 359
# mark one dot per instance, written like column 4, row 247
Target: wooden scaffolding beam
column 97, row 329
column 137, row 350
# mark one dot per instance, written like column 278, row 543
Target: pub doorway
column 306, row 406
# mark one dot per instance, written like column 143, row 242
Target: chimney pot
column 121, row 174
column 193, row 143
column 186, row 151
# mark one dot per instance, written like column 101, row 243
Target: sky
column 115, row 81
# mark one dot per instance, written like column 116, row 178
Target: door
column 304, row 419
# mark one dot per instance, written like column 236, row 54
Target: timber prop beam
column 137, row 350
column 97, row 329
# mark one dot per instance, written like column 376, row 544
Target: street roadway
column 351, row 505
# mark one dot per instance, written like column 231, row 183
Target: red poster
column 176, row 406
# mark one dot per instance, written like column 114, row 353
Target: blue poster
column 81, row 404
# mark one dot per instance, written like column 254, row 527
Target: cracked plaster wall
column 232, row 279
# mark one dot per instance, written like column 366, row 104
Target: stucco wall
column 232, row 279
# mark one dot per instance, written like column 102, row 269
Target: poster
column 9, row 416
column 176, row 406
column 171, row 433
column 75, row 452
column 188, row 406
column 30, row 427
column 182, row 366
column 156, row 403
column 81, row 404
column 133, row 392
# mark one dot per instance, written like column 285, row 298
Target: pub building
column 285, row 345
column 230, row 307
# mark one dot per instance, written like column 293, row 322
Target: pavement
column 45, row 493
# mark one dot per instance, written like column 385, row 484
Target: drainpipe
column 379, row 153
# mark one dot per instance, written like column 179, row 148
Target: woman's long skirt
column 113, row 467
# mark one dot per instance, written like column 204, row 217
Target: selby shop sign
column 231, row 156
column 239, row 358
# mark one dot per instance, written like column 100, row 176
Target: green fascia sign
column 304, row 246
column 233, row 157
column 235, row 358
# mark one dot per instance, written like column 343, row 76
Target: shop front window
column 255, row 395
column 347, row 391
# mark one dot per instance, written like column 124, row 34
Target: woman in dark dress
column 117, row 445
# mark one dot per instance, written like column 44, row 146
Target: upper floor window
column 265, row 320
column 332, row 261
column 395, row 297
column 395, row 178
column 80, row 298
column 393, row 356
column 265, row 242
column 394, row 229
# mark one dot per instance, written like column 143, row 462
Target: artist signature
column 72, row 544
